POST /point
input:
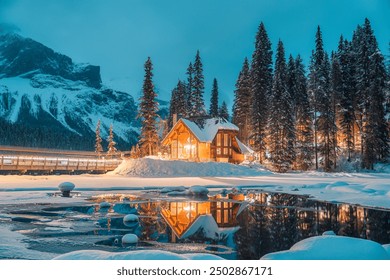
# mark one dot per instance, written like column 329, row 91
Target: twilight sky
column 119, row 35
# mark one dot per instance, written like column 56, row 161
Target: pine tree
column 281, row 124
column 177, row 104
column 376, row 137
column 303, row 117
column 135, row 152
column 189, row 88
column 148, row 108
column 197, row 101
column 343, row 86
column 98, row 141
column 242, row 97
column 261, row 72
column 213, row 112
column 370, row 79
column 223, row 111
column 111, row 149
column 323, row 115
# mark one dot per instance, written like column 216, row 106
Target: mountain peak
column 21, row 56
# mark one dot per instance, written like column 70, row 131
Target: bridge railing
column 43, row 163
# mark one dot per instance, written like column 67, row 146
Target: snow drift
column 147, row 167
column 134, row 255
column 331, row 247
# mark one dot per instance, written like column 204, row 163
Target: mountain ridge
column 47, row 91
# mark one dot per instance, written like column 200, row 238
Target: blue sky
column 119, row 35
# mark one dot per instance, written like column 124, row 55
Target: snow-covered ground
column 332, row 247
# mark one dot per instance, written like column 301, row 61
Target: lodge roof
column 209, row 128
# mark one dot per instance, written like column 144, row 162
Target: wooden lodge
column 212, row 139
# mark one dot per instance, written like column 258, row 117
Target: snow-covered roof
column 210, row 128
column 244, row 149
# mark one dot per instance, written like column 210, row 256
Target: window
column 223, row 145
column 226, row 139
column 219, row 139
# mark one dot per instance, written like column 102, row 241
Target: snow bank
column 12, row 246
column 387, row 248
column 133, row 255
column 147, row 167
column 330, row 247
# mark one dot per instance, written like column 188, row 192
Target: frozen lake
column 233, row 224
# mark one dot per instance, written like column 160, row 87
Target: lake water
column 231, row 225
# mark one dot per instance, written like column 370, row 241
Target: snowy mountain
column 46, row 94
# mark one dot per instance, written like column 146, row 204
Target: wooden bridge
column 34, row 160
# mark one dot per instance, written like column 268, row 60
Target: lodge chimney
column 174, row 119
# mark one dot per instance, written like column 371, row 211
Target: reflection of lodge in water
column 310, row 217
column 181, row 215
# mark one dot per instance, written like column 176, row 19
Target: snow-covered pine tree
column 388, row 92
column 242, row 97
column 197, row 102
column 281, row 125
column 303, row 117
column 172, row 106
column 177, row 104
column 376, row 144
column 324, row 119
column 213, row 111
column 261, row 72
column 189, row 88
column 343, row 85
column 111, row 149
column 292, row 81
column 98, row 140
column 370, row 80
column 223, row 111
column 148, row 108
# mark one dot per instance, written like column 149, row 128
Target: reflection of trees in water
column 252, row 239
column 378, row 226
column 150, row 225
column 282, row 220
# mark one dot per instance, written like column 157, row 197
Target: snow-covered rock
column 147, row 167
column 198, row 191
column 133, row 255
column 172, row 189
column 130, row 239
column 66, row 186
column 130, row 220
column 329, row 232
column 105, row 204
column 332, row 248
